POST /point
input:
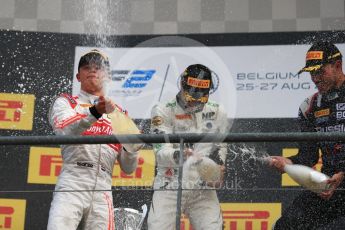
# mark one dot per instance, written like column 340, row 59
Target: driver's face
column 194, row 104
column 190, row 99
column 324, row 78
column 92, row 77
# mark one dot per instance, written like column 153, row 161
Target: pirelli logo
column 198, row 83
column 16, row 111
column 245, row 216
column 12, row 214
column 45, row 165
column 314, row 55
column 142, row 176
column 286, row 179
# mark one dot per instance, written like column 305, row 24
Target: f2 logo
column 138, row 79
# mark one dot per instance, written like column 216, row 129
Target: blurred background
column 172, row 17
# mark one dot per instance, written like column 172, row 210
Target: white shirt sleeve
column 161, row 123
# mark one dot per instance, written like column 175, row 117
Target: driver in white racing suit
column 86, row 167
column 189, row 112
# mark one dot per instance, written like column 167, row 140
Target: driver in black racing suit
column 322, row 112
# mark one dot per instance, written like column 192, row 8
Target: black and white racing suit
column 319, row 113
column 199, row 204
column 85, row 167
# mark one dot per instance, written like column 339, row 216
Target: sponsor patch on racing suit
column 323, row 113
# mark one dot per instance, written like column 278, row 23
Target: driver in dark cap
column 323, row 111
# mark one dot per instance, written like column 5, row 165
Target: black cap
column 320, row 53
column 94, row 56
column 196, row 79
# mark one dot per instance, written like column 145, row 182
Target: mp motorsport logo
column 133, row 82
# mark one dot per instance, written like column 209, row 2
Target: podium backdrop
column 257, row 81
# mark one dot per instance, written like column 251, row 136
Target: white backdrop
column 254, row 81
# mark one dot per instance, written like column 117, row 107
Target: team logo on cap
column 334, row 55
column 314, row 55
column 198, row 83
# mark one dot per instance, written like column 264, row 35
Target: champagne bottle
column 208, row 170
column 307, row 177
column 122, row 124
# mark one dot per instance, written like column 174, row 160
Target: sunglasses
column 317, row 72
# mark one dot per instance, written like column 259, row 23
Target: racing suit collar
column 91, row 98
column 334, row 93
column 342, row 89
